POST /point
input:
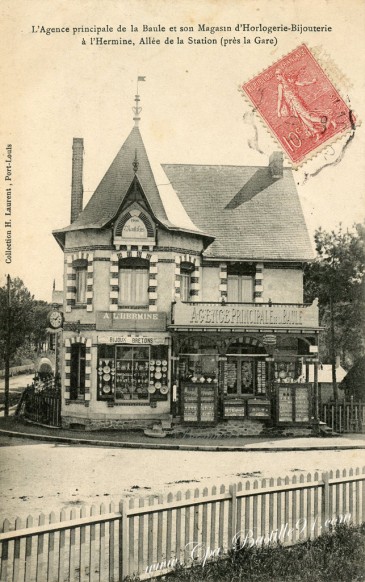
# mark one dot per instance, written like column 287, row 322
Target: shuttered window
column 133, row 282
column 240, row 288
column 81, row 276
column 186, row 270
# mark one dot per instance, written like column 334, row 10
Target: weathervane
column 137, row 109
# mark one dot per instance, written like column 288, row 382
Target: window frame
column 241, row 298
column 80, row 270
column 241, row 273
column 186, row 270
column 133, row 266
column 78, row 371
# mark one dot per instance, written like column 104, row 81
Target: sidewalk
column 12, row 427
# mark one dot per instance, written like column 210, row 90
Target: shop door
column 240, row 375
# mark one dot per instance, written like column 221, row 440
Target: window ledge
column 132, row 403
column 82, row 402
column 141, row 307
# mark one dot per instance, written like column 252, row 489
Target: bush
column 336, row 556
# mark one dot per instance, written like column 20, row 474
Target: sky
column 55, row 88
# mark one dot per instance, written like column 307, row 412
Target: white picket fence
column 150, row 535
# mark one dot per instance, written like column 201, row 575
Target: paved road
column 38, row 477
column 17, row 382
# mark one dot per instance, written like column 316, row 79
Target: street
column 16, row 383
column 16, row 386
column 38, row 477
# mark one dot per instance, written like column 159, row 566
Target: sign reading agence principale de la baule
column 240, row 315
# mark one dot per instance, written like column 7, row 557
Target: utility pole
column 333, row 349
column 7, row 347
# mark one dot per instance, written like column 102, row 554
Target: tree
column 27, row 318
column 20, row 315
column 40, row 324
column 16, row 318
column 336, row 277
column 354, row 381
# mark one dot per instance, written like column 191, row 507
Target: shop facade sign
column 241, row 315
column 137, row 340
column 269, row 340
column 128, row 319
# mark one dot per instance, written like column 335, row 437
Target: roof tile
column 250, row 215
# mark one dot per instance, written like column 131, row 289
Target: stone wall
column 228, row 429
column 107, row 424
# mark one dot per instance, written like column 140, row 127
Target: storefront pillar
column 306, row 372
column 270, row 373
column 175, row 400
column 316, row 395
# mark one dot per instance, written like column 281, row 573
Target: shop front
column 236, row 361
column 132, row 358
column 119, row 374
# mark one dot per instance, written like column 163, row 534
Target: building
column 325, row 384
column 196, row 315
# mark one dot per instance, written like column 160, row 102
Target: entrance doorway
column 245, row 370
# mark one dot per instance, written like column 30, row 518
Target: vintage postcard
column 181, row 262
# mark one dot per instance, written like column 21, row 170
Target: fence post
column 232, row 514
column 123, row 542
column 325, row 499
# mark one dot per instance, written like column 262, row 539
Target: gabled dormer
column 134, row 227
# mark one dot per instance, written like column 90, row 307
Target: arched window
column 186, row 270
column 80, row 268
column 133, row 282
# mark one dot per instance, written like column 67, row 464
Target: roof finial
column 137, row 109
column 135, row 162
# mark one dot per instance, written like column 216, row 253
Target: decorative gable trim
column 134, row 228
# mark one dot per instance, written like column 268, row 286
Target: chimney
column 276, row 165
column 77, row 189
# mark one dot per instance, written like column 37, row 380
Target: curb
column 173, row 447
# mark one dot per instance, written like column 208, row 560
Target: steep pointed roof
column 110, row 194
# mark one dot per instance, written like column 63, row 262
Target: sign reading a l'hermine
column 130, row 320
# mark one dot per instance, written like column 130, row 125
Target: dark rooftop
column 250, row 214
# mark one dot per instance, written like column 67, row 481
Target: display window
column 202, row 367
column 244, row 376
column 288, row 372
column 133, row 373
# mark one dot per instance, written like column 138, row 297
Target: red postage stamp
column 299, row 103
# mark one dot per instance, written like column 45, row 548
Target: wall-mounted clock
column 55, row 319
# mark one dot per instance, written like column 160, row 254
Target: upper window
column 240, row 284
column 133, row 282
column 80, row 267
column 186, row 270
